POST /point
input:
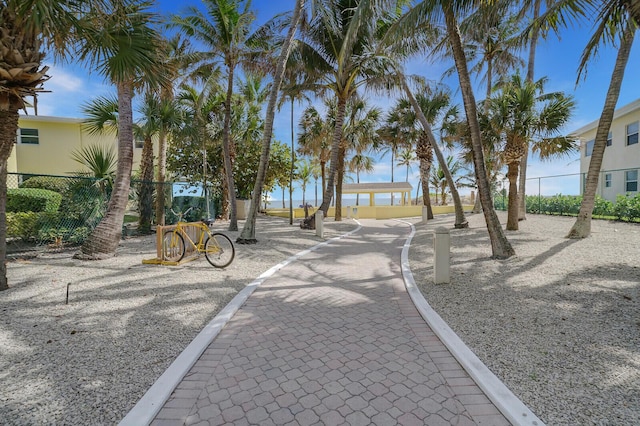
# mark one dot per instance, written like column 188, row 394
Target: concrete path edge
column 154, row 399
column 506, row 401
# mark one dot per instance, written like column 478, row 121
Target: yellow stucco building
column 44, row 145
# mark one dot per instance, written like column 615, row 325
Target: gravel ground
column 90, row 361
column 559, row 323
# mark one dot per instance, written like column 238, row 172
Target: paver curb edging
column 153, row 400
column 509, row 405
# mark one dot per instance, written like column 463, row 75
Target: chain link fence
column 616, row 196
column 44, row 210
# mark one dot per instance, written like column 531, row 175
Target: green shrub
column 23, row 225
column 32, row 200
column 602, row 207
column 51, row 183
column 621, row 208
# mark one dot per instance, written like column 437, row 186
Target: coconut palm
column 616, row 22
column 397, row 133
column 434, row 11
column 224, row 30
column 293, row 91
column 121, row 44
column 304, row 173
column 314, row 139
column 174, row 55
column 337, row 45
column 523, row 112
column 29, row 29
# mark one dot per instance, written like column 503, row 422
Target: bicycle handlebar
column 182, row 214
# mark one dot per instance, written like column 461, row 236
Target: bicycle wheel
column 173, row 246
column 219, row 251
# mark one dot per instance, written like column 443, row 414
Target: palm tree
column 616, row 21
column 406, row 158
column 360, row 163
column 397, row 133
column 439, row 180
column 121, row 45
column 315, row 139
column 304, row 175
column 336, row 44
column 414, row 20
column 175, row 54
column 224, row 30
column 522, row 112
column 29, row 29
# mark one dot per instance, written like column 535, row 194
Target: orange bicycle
column 217, row 247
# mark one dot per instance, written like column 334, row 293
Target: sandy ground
column 559, row 323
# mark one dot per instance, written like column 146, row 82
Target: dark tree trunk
column 227, row 153
column 512, row 211
column 8, row 129
column 145, row 195
column 104, row 239
column 500, row 246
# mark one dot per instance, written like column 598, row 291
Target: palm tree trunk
column 522, row 194
column 425, row 170
column 248, row 231
column 145, row 196
column 461, row 221
column 393, row 160
column 8, row 129
column 226, row 153
column 333, row 164
column 512, row 212
column 162, row 174
column 582, row 227
column 104, row 239
column 500, row 246
column 293, row 160
column 339, row 180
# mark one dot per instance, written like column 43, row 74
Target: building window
column 588, row 150
column 631, row 180
column 610, row 139
column 138, row 143
column 632, row 133
column 28, row 136
column 607, row 180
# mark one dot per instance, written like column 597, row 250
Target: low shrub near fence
column 626, row 208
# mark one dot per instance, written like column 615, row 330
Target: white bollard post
column 441, row 250
column 425, row 213
column 320, row 224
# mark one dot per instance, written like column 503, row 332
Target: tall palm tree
column 523, row 112
column 360, row 163
column 224, row 30
column 292, row 90
column 175, row 54
column 406, row 159
column 29, row 29
column 444, row 10
column 533, row 7
column 304, row 175
column 121, row 45
column 315, row 139
column 397, row 133
column 338, row 43
column 616, row 23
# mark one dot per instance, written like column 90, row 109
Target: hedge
column 51, row 183
column 626, row 208
column 32, row 200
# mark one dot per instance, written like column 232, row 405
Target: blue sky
column 72, row 85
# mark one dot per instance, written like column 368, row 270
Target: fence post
column 441, row 249
column 320, row 224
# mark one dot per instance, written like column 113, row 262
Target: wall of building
column 58, row 138
column 618, row 157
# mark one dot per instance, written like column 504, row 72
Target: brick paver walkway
column 331, row 339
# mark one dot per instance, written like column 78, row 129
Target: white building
column 621, row 162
